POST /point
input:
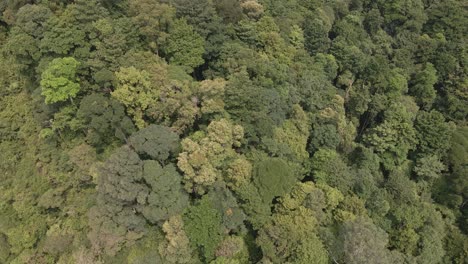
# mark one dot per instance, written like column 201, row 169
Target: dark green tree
column 104, row 119
column 26, row 34
column 225, row 202
column 130, row 192
column 155, row 141
column 167, row 197
column 113, row 220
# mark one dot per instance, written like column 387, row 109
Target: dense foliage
column 233, row 131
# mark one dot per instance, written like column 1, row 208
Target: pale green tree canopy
column 59, row 81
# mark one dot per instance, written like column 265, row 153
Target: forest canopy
column 233, row 131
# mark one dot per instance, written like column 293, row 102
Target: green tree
column 24, row 48
column 296, row 37
column 423, row 86
column 172, row 93
column 349, row 56
column 451, row 189
column 203, row 227
column 394, row 137
column 202, row 15
column 336, row 114
column 324, row 136
column 429, row 167
column 184, row 46
column 84, row 159
column 113, row 38
column 252, row 9
column 433, row 250
column 252, row 203
column 211, row 96
column 31, row 18
column 65, row 122
column 5, row 248
column 62, row 36
column 273, row 177
column 143, row 251
column 25, row 36
column 291, row 238
column 322, row 199
column 59, row 81
column 238, row 173
column 229, row 11
column 258, row 109
column 401, row 187
column 68, row 32
column 401, row 15
column 328, row 167
column 316, row 34
column 433, row 132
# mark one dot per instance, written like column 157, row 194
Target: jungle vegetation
column 233, row 131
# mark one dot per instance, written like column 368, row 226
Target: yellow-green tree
column 177, row 249
column 206, row 155
column 294, row 133
column 291, row 235
column 136, row 92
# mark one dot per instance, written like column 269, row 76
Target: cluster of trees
column 233, row 131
